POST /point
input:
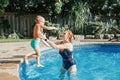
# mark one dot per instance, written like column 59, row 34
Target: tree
column 29, row 6
column 79, row 16
column 3, row 4
column 78, row 11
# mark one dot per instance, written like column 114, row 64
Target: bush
column 3, row 36
column 97, row 36
column 13, row 36
column 106, row 36
column 55, row 32
column 93, row 28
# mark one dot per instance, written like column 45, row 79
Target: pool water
column 94, row 62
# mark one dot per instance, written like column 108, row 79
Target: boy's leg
column 37, row 50
column 31, row 55
column 62, row 74
column 34, row 54
column 35, row 46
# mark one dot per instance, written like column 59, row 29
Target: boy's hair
column 42, row 19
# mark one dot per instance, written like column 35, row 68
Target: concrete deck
column 11, row 54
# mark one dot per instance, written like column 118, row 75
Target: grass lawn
column 13, row 40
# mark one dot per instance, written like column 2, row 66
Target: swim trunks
column 35, row 43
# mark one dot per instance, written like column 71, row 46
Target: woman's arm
column 58, row 41
column 58, row 46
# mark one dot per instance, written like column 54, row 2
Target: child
column 37, row 36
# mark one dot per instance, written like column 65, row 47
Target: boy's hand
column 55, row 28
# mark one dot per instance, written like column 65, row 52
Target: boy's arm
column 49, row 28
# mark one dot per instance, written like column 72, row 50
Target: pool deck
column 11, row 55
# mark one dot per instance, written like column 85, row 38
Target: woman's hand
column 44, row 36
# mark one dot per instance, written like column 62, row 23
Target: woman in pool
column 65, row 50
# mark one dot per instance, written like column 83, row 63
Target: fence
column 22, row 24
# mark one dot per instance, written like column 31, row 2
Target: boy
column 37, row 36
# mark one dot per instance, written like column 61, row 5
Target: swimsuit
column 35, row 43
column 68, row 60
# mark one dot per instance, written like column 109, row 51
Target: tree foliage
column 3, row 4
column 104, row 7
column 78, row 11
column 79, row 15
column 29, row 6
column 97, row 7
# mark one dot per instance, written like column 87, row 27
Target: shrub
column 3, row 36
column 13, row 36
column 93, row 28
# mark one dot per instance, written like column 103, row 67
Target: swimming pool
column 94, row 62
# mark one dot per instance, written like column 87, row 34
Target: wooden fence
column 22, row 24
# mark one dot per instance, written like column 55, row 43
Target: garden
column 94, row 19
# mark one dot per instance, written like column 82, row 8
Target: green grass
column 13, row 40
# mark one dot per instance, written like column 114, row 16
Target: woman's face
column 65, row 36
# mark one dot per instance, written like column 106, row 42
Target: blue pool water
column 94, row 62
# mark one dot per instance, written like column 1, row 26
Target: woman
column 65, row 50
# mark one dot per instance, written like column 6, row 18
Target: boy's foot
column 40, row 65
column 26, row 60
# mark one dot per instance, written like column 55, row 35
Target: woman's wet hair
column 70, row 35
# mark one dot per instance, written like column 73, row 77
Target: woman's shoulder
column 70, row 46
